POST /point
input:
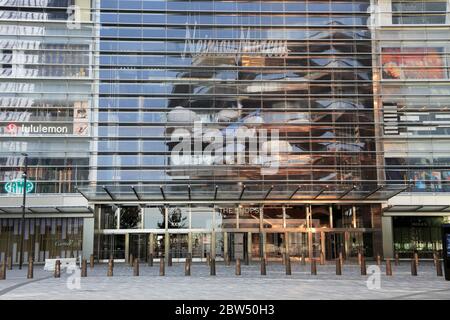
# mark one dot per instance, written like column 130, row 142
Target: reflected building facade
column 236, row 129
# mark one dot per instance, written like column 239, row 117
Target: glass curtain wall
column 46, row 92
column 204, row 91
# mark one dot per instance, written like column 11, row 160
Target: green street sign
column 16, row 186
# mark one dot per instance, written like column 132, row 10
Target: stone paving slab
column 226, row 285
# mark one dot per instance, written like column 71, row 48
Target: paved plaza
column 226, row 285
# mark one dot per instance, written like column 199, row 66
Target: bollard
column 338, row 268
column 341, row 259
column 359, row 258
column 84, row 268
column 130, row 259
column 313, row 266
column 302, row 259
column 91, row 261
column 3, row 270
column 434, row 258
column 397, row 260
column 9, row 262
column 30, row 268
column 212, row 269
column 150, row 260
column 136, row 268
column 388, row 267
column 110, row 272
column 363, row 266
column 288, row 265
column 238, row 267
column 227, row 259
column 263, row 267
column 378, row 260
column 162, row 270
column 413, row 267
column 169, row 260
column 416, row 259
column 322, row 258
column 57, row 273
column 187, row 267
column 438, row 267
column 208, row 259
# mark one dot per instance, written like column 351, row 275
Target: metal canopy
column 46, row 210
column 239, row 193
column 417, row 209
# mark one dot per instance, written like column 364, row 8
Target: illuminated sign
column 12, row 128
column 16, row 186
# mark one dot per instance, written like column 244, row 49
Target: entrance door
column 138, row 246
column 179, row 247
column 238, row 246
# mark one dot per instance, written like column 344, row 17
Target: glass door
column 138, row 246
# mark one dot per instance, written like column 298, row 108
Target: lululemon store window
column 235, row 129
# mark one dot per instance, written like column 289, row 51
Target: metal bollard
column 388, row 267
column 136, row 268
column 438, row 267
column 169, row 260
column 162, row 265
column 303, row 259
column 363, row 266
column 263, row 267
column 30, row 272
column 238, row 267
column 359, row 258
column 187, row 267
column 212, row 269
column 313, row 266
column 3, row 270
column 338, row 268
column 288, row 265
column 110, row 272
column 57, row 273
column 416, row 259
column 9, row 262
column 130, row 259
column 150, row 260
column 378, row 260
column 91, row 261
column 413, row 267
column 84, row 268
column 397, row 260
column 322, row 258
column 341, row 259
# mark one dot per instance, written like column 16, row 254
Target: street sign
column 16, row 186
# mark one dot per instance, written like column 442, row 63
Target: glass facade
column 46, row 93
column 229, row 128
column 224, row 74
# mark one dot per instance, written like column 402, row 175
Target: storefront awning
column 418, row 210
column 239, row 193
column 37, row 210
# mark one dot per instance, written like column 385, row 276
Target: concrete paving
column 225, row 285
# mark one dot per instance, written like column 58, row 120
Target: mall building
column 235, row 129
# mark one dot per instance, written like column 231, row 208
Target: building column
column 190, row 244
column 88, row 237
column 213, row 245
column 346, row 244
column 322, row 244
column 249, row 246
column 225, row 245
column 166, row 236
column 127, row 247
column 286, row 243
column 388, row 237
column 330, row 209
